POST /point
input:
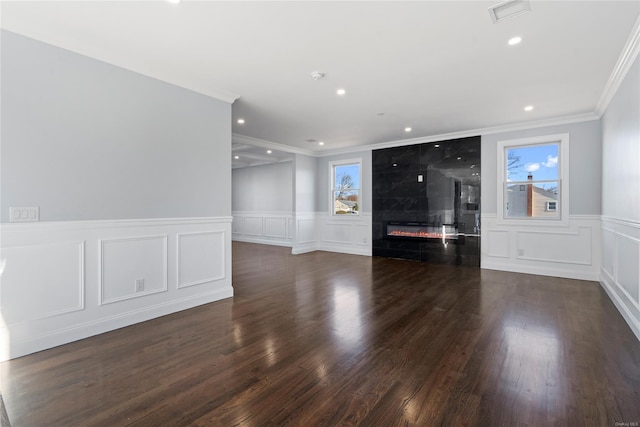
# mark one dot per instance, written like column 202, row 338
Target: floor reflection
column 347, row 321
column 532, row 357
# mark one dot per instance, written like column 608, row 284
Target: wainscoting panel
column 571, row 251
column 351, row 235
column 336, row 232
column 201, row 258
column 271, row 228
column 58, row 266
column 307, row 232
column 497, row 244
column 620, row 276
column 252, row 226
column 65, row 281
column 304, row 239
column 125, row 261
column 275, row 227
column 565, row 247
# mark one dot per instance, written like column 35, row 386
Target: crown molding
column 625, row 61
column 577, row 118
column 249, row 140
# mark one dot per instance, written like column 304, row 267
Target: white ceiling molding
column 237, row 138
column 625, row 61
column 578, row 118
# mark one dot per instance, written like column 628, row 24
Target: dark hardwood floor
column 332, row 339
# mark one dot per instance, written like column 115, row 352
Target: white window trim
column 563, row 179
column 332, row 165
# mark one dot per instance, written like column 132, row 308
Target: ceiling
column 438, row 67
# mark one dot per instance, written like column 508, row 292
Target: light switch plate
column 24, row 214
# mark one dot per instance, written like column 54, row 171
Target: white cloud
column 551, row 161
column 532, row 167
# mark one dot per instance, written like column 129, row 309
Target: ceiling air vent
column 508, row 9
column 311, row 140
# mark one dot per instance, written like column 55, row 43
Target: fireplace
column 421, row 230
column 426, row 202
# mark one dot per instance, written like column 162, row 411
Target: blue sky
column 349, row 170
column 540, row 160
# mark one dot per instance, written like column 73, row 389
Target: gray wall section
column 85, row 140
column 305, row 175
column 585, row 167
column 621, row 150
column 323, row 182
column 267, row 188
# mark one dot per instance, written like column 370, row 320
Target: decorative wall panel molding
column 271, row 228
column 565, row 247
column 124, row 261
column 65, row 281
column 307, row 232
column 498, row 243
column 200, row 258
column 572, row 250
column 351, row 235
column 620, row 274
column 49, row 276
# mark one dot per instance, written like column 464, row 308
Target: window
column 345, row 187
column 533, row 178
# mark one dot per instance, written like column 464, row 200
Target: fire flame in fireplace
column 421, row 234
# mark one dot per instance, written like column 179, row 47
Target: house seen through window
column 532, row 184
column 346, row 188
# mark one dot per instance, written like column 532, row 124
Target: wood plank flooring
column 326, row 339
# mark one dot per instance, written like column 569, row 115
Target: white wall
column 263, row 204
column 266, row 188
column 570, row 249
column 132, row 177
column 621, row 198
column 305, row 171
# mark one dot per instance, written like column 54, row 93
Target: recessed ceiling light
column 407, row 129
column 240, row 121
column 437, row 145
column 269, row 151
column 320, row 143
column 528, row 108
column 236, row 157
column 341, row 92
column 514, row 41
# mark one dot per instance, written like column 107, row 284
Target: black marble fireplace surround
column 426, row 201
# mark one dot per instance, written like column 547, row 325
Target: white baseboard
column 541, row 271
column 261, row 241
column 620, row 273
column 630, row 314
column 364, row 250
column 20, row 347
column 304, row 248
